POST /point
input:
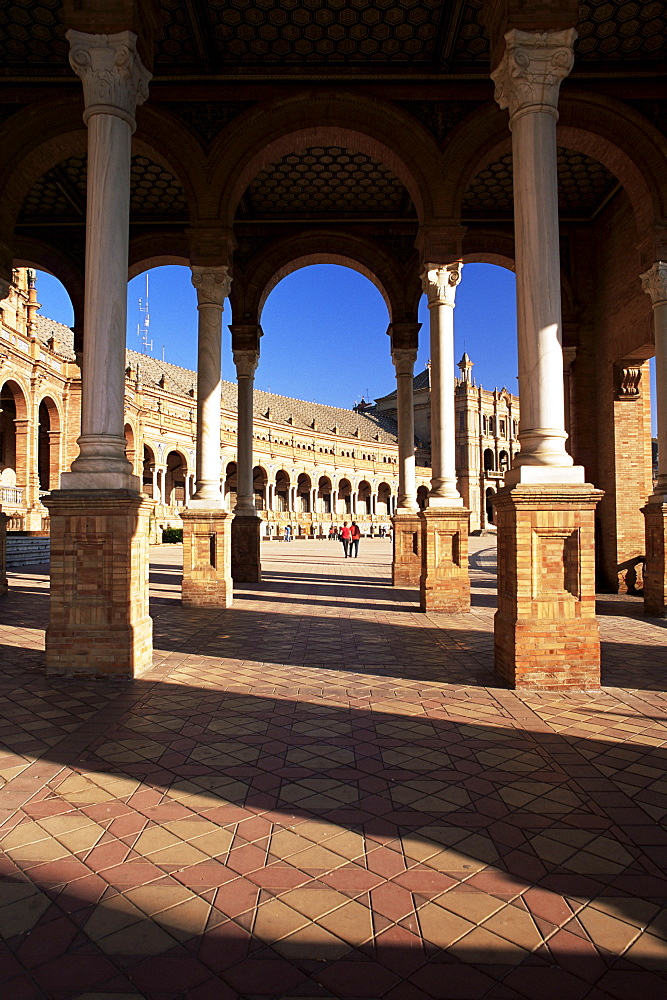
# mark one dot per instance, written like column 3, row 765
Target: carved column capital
column 246, row 363
column 114, row 78
column 532, row 69
column 213, row 285
column 654, row 282
column 404, row 361
column 439, row 283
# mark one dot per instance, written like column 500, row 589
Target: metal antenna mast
column 143, row 326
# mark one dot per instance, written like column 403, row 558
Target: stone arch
column 44, row 256
column 364, row 497
column 14, row 428
column 304, row 485
column 260, row 480
column 230, row 482
column 367, row 257
column 489, row 460
column 377, row 128
column 130, row 443
column 283, row 483
column 48, row 443
column 148, row 252
column 422, row 497
column 384, row 498
column 147, row 469
column 344, row 496
column 176, row 463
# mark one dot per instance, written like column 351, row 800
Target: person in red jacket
column 345, row 537
column 355, row 535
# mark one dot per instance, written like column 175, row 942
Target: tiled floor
column 323, row 793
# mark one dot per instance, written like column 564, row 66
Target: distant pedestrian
column 345, row 536
column 332, row 533
column 288, row 532
column 355, row 535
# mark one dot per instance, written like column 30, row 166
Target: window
column 503, row 431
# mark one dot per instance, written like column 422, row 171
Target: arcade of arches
column 526, row 134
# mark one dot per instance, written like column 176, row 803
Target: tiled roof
column 421, row 381
column 292, row 413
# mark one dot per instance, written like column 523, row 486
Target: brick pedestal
column 99, row 622
column 207, row 558
column 246, row 562
column 444, row 584
column 4, row 587
column 655, row 571
column 546, row 632
column 406, row 563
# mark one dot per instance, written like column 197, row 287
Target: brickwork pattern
column 655, row 574
column 546, row 633
column 246, row 561
column 406, row 563
column 444, row 583
column 99, row 621
column 207, row 558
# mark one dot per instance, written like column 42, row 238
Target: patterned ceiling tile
column 472, row 43
column 583, row 184
column 61, row 192
column 32, row 31
column 613, row 29
column 327, row 179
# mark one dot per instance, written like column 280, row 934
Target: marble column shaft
column 654, row 283
column 527, row 82
column 439, row 283
column 212, row 285
column 246, row 364
column 114, row 82
column 404, row 363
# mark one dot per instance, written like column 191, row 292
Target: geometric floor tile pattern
column 321, row 792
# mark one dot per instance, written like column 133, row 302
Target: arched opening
column 422, row 497
column 489, row 460
column 48, row 445
column 489, row 505
column 174, row 485
column 259, row 484
column 303, row 488
column 384, row 499
column 364, row 498
column 324, row 495
column 503, row 461
column 231, row 484
column 344, row 497
column 282, row 491
column 13, row 443
column 130, row 451
column 148, row 474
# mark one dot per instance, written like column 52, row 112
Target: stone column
column 406, row 553
column 156, row 482
column 546, row 633
column 207, row 569
column 99, row 623
column 4, row 586
column 246, row 563
column 114, row 83
column 444, row 582
column 654, row 282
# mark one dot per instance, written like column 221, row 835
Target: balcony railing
column 11, row 495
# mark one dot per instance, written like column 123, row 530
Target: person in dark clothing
column 345, row 536
column 355, row 535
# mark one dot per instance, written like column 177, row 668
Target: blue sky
column 324, row 329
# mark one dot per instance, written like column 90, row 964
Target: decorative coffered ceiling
column 212, row 36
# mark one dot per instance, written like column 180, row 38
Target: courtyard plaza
column 322, row 792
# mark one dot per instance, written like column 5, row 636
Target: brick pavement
column 321, row 792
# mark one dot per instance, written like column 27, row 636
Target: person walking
column 345, row 536
column 355, row 535
column 288, row 532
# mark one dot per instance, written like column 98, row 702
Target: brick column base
column 406, row 562
column 99, row 622
column 246, row 562
column 546, row 632
column 4, row 586
column 444, row 585
column 655, row 571
column 207, row 558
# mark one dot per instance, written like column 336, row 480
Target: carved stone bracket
column 404, row 361
column 532, row 69
column 439, row 283
column 246, row 363
column 114, row 78
column 654, row 282
column 213, row 285
column 628, row 380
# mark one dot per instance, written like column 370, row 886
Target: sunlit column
column 114, row 82
column 246, row 364
column 404, row 363
column 439, row 283
column 212, row 285
column 527, row 82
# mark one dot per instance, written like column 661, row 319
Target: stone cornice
column 654, row 282
column 114, row 78
column 533, row 66
column 213, row 285
column 439, row 283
